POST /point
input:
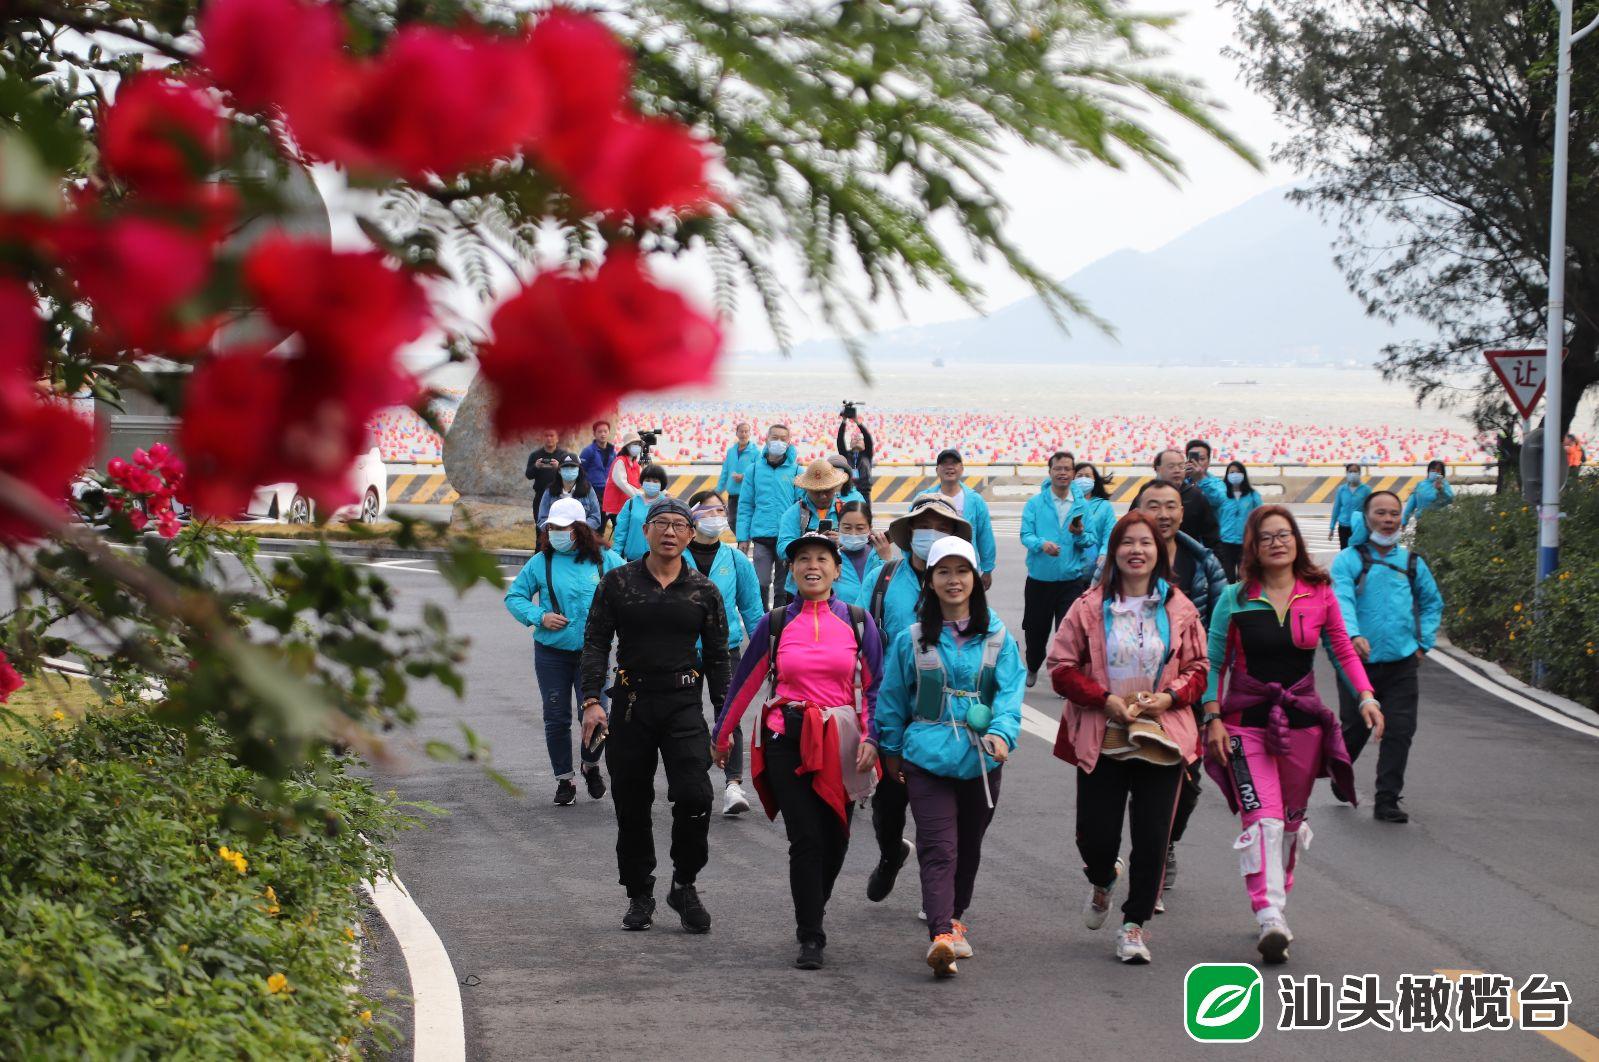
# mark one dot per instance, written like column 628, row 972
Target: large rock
column 490, row 478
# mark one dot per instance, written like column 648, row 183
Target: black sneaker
column 1390, row 811
column 881, row 883
column 810, row 956
column 565, row 792
column 595, row 781
column 686, row 902
column 1171, row 866
column 640, row 913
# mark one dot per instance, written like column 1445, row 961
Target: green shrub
column 1483, row 550
column 134, row 924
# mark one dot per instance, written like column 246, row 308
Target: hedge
column 134, row 924
column 1483, row 550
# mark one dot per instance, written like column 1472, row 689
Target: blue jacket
column 850, row 493
column 736, row 462
column 1232, row 513
column 1078, row 553
column 1214, row 488
column 1347, row 501
column 800, row 518
column 947, row 748
column 596, row 464
column 1429, row 494
column 853, row 588
column 575, row 582
column 628, row 536
column 975, row 512
column 591, row 506
column 900, row 599
column 734, row 575
column 768, row 493
column 1384, row 611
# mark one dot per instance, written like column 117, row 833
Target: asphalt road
column 1494, row 873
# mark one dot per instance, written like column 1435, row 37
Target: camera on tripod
column 648, row 438
column 851, row 410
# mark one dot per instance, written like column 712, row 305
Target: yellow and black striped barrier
column 434, row 488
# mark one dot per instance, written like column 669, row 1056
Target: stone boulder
column 489, row 476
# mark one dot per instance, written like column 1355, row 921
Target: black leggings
column 817, row 840
column 1103, row 798
column 1230, row 554
column 1044, row 605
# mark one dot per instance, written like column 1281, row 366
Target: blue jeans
column 557, row 674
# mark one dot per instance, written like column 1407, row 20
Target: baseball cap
column 950, row 546
column 564, row 512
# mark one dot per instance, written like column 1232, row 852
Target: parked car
column 369, row 478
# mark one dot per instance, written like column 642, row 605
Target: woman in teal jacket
column 1240, row 499
column 1348, row 500
column 734, row 577
column 627, row 538
column 949, row 712
column 1099, row 515
column 1431, row 493
column 865, row 552
column 552, row 594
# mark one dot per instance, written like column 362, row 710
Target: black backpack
column 885, row 575
column 777, row 619
column 1369, row 559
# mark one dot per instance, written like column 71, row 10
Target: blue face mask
column 1435, row 475
column 561, row 541
column 1236, row 479
column 922, row 540
column 1081, row 486
column 651, row 489
column 853, row 543
column 569, row 475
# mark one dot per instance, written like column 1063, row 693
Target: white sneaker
column 1097, row 907
column 734, row 802
column 1160, row 905
column 1275, row 937
column 1131, row 945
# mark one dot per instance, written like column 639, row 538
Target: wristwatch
column 1209, row 718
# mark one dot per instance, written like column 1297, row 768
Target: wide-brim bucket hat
column 899, row 532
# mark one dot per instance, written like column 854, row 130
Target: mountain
column 1254, row 286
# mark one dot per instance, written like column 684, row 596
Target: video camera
column 648, row 438
column 851, row 410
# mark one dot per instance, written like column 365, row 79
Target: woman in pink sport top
column 816, row 727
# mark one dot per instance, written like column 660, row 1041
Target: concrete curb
column 364, row 551
column 1500, row 677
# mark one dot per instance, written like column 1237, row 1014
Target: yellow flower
column 183, row 949
column 1512, row 635
column 58, row 715
column 1501, row 514
column 277, row 983
column 1497, row 560
column 366, row 1017
column 237, row 859
column 349, row 933
column 1516, row 607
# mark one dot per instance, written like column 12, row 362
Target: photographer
column 656, row 610
column 856, row 448
column 544, row 466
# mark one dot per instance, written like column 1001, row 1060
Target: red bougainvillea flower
column 10, row 681
column 352, row 307
column 161, row 136
column 140, row 276
column 441, row 102
column 638, row 166
column 264, row 52
column 21, row 336
column 586, row 71
column 567, row 346
column 230, row 426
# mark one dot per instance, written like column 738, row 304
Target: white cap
column 564, row 512
column 951, row 546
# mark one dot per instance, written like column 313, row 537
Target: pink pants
column 1272, row 793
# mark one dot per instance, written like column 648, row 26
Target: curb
column 1500, row 677
column 363, row 551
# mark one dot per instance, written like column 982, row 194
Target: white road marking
column 440, row 1026
column 1038, row 724
column 1524, row 703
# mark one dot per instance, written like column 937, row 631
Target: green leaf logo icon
column 1224, row 1005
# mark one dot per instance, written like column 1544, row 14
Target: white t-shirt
column 958, row 500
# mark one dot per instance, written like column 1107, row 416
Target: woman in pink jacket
column 1268, row 736
column 1130, row 660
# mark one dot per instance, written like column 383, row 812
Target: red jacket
column 1077, row 669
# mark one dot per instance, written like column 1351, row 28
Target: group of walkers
column 868, row 665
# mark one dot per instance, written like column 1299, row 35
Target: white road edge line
column 1526, row 704
column 439, row 1027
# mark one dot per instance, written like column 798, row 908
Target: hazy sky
column 1065, row 217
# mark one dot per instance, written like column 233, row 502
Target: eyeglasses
column 676, row 527
column 1283, row 537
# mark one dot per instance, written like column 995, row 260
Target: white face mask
column 632, row 450
column 922, row 540
column 853, row 543
column 776, row 448
column 712, row 526
column 1235, row 478
column 1352, row 477
column 1385, row 541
